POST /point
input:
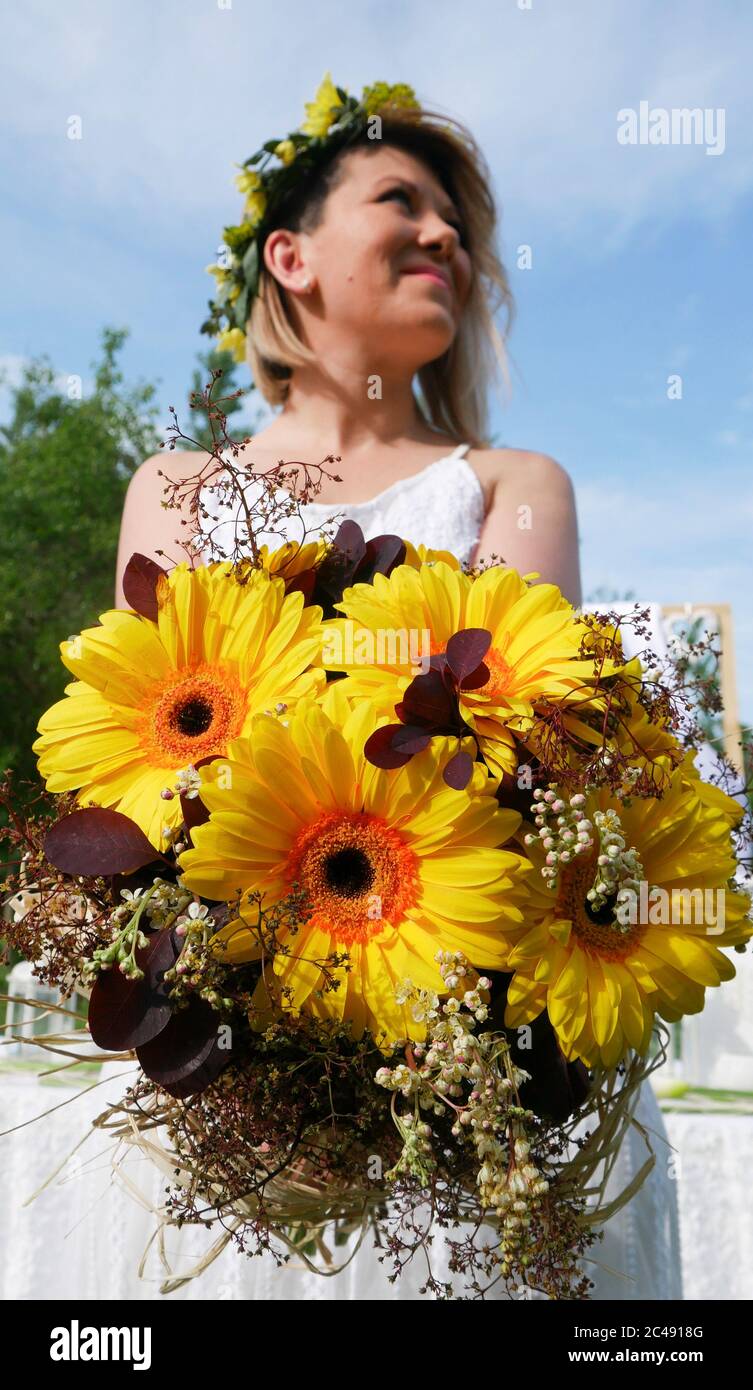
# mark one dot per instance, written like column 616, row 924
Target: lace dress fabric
column 442, row 506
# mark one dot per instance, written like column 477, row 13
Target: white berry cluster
column 165, row 901
column 160, row 905
column 187, row 781
column 619, row 868
column 474, row 1077
column 563, row 829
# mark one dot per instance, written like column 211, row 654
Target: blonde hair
column 455, row 386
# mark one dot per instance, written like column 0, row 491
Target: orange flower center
column 192, row 714
column 359, row 873
column 501, row 673
column 596, row 929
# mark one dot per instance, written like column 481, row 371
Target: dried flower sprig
column 474, row 1077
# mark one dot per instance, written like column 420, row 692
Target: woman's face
column 387, row 260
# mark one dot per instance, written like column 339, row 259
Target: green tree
column 65, row 465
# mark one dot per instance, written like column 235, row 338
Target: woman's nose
column 440, row 233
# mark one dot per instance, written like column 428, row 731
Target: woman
column 380, row 268
column 380, row 278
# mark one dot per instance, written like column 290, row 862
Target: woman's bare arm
column 532, row 521
column 146, row 525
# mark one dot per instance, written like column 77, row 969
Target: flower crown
column 333, row 119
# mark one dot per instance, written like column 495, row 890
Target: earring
column 307, row 284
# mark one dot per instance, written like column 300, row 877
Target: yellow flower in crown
column 233, row 340
column 532, row 659
column 381, row 94
column 220, row 273
column 250, row 183
column 394, row 866
column 285, row 151
column 155, row 696
column 322, row 111
column 628, row 911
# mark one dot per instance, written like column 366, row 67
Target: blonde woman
column 377, row 276
column 380, row 275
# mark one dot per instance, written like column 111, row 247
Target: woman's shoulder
column 175, row 463
column 512, row 470
column 149, row 527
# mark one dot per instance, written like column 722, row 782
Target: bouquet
column 390, row 873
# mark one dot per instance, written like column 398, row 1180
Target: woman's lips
column 432, row 275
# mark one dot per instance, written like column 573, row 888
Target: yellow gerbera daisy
column 396, row 866
column 153, row 698
column 292, row 558
column 418, row 555
column 617, row 724
column 533, row 658
column 603, row 969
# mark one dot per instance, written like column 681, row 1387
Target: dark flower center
column 602, row 916
column 194, row 716
column 349, row 873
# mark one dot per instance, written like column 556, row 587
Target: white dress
column 442, row 506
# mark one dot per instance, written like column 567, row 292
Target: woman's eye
column 405, row 195
column 396, row 193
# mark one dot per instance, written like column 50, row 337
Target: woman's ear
column 283, row 259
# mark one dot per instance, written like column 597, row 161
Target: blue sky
column 640, row 252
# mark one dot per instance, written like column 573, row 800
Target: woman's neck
column 348, row 413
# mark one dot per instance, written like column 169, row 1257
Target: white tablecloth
column 82, row 1237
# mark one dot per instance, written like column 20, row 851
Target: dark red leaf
column 97, row 840
column 476, row 678
column 427, row 701
column 350, row 541
column 408, row 738
column 140, row 585
column 383, row 553
column 194, row 811
column 203, row 1075
column 337, row 571
column 466, row 649
column 457, row 773
column 378, row 749
column 127, row 1013
column 302, row 583
column 186, row 1055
